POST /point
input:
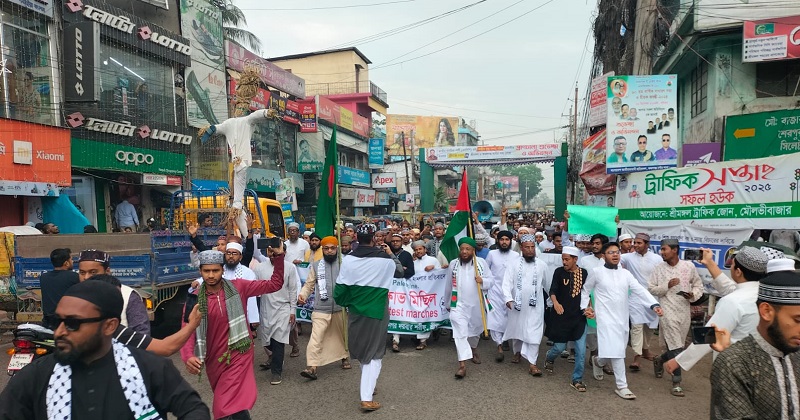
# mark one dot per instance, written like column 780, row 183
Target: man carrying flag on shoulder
column 470, row 278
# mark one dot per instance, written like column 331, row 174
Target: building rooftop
column 313, row 53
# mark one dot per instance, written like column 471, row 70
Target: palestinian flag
column 461, row 224
column 328, row 193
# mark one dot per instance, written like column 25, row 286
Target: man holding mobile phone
column 675, row 284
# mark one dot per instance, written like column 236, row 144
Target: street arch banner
column 492, row 155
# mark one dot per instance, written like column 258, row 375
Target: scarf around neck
column 535, row 295
column 238, row 333
column 322, row 280
column 59, row 388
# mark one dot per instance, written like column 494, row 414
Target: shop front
column 354, row 201
column 34, row 162
column 105, row 174
column 125, row 104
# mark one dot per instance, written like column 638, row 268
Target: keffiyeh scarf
column 238, row 333
column 59, row 395
column 322, row 283
column 535, row 295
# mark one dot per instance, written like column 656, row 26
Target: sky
column 508, row 65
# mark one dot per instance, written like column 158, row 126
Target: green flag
column 328, row 193
column 461, row 223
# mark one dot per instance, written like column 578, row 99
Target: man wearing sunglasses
column 92, row 262
column 666, row 152
column 93, row 376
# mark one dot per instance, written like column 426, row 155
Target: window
column 26, row 75
column 164, row 4
column 133, row 87
column 699, row 89
column 777, row 78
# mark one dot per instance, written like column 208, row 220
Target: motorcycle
column 30, row 341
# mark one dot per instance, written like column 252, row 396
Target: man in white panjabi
column 498, row 261
column 238, row 132
column 641, row 263
column 295, row 247
column 277, row 315
column 611, row 287
column 524, row 296
column 422, row 263
column 464, row 289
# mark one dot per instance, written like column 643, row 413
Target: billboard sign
column 418, row 131
column 481, row 155
column 376, row 147
column 700, row 153
column 597, row 101
column 773, row 39
column 384, row 180
column 642, row 129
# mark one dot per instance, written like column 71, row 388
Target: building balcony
column 347, row 88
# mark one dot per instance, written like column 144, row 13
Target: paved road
column 420, row 384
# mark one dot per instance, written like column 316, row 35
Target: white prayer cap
column 624, row 236
column 293, row 225
column 234, row 245
column 307, row 233
column 571, row 250
column 780, row 264
column 539, row 234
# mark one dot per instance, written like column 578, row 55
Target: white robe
column 466, row 318
column 526, row 324
column 277, row 307
column 611, row 290
column 426, row 260
column 498, row 262
column 641, row 266
column 296, row 250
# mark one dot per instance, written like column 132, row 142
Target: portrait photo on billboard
column 642, row 126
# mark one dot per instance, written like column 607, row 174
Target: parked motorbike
column 30, row 342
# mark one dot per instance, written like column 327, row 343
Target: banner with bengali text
column 756, row 193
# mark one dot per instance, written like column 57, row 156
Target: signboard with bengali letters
column 762, row 134
column 760, row 193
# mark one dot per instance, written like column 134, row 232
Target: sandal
column 634, row 366
column 677, row 391
column 534, row 371
column 295, row 352
column 395, row 347
column 625, row 394
column 597, row 370
column 658, row 367
column 461, row 372
column 309, row 373
column 579, row 386
column 422, row 345
column 346, row 364
column 476, row 358
column 515, row 358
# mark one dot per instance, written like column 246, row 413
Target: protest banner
column 588, row 220
column 719, row 241
column 755, row 193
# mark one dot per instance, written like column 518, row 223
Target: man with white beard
column 524, row 296
column 469, row 277
column 498, row 260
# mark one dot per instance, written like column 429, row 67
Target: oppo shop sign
column 98, row 155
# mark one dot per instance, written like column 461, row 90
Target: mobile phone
column 704, row 335
column 273, row 242
column 693, row 254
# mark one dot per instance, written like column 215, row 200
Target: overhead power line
column 351, row 6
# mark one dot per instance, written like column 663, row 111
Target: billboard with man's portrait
column 642, row 123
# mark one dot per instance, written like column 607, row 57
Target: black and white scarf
column 535, row 295
column 322, row 283
column 59, row 389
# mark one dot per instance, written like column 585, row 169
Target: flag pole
column 471, row 234
column 338, row 229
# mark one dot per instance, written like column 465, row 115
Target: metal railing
column 341, row 88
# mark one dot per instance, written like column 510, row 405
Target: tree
column 441, row 200
column 232, row 20
column 530, row 179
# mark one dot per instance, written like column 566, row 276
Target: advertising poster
column 773, row 39
column 754, row 194
column 480, row 155
column 310, row 152
column 593, row 169
column 418, row 131
column 597, row 101
column 700, row 153
column 510, row 183
column 376, row 147
column 284, row 192
column 206, row 99
column 642, row 127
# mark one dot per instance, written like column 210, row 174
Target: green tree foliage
column 441, row 201
column 232, row 21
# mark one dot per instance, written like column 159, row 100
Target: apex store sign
column 129, row 29
column 126, row 129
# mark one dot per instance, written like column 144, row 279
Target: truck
column 156, row 264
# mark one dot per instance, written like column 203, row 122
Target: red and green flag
column 328, row 193
column 461, row 224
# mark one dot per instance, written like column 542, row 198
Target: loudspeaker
column 484, row 209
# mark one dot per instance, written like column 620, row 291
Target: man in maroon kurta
column 232, row 379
